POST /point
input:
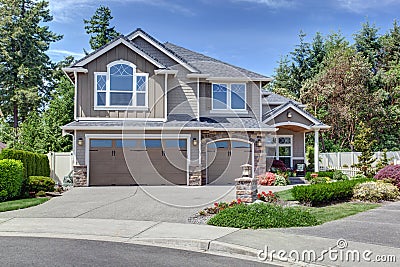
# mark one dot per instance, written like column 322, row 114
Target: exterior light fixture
column 194, row 141
column 289, row 114
column 259, row 142
column 80, row 142
column 246, row 170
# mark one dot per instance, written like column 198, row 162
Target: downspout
column 166, row 97
column 198, row 99
column 76, row 95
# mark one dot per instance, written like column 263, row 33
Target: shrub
column 321, row 174
column 280, row 180
column 267, row 197
column 40, row 183
column 321, row 180
column 391, row 172
column 266, row 179
column 339, row 176
column 11, row 178
column 279, row 165
column 35, row 164
column 359, row 176
column 40, row 194
column 317, row 194
column 375, row 191
column 263, row 215
column 219, row 206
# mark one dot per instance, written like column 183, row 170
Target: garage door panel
column 224, row 160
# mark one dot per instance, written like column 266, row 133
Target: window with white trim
column 280, row 147
column 121, row 86
column 229, row 96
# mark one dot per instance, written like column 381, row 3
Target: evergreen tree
column 368, row 43
column 24, row 66
column 99, row 28
column 364, row 142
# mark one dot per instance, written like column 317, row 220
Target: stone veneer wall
column 79, row 176
column 259, row 152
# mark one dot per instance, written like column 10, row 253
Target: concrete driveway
column 147, row 203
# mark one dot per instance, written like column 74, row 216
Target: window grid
column 137, row 89
column 234, row 99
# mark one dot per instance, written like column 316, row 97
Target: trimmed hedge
column 261, row 215
column 320, row 174
column 325, row 193
column 11, row 178
column 40, row 183
column 35, row 164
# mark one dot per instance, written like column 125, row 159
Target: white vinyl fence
column 61, row 164
column 347, row 159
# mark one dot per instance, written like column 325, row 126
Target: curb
column 196, row 245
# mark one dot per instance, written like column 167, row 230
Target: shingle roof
column 272, row 98
column 212, row 66
column 216, row 123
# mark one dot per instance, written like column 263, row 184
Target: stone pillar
column 79, row 176
column 316, row 150
column 195, row 175
column 246, row 189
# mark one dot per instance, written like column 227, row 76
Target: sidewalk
column 209, row 239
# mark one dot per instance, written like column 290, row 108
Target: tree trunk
column 15, row 116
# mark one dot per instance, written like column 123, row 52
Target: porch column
column 316, row 150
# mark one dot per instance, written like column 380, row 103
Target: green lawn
column 275, row 216
column 338, row 211
column 21, row 203
column 285, row 195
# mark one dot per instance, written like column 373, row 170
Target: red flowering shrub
column 267, row 197
column 218, row 206
column 390, row 173
column 279, row 165
column 266, row 179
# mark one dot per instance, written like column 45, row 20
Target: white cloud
column 69, row 10
column 359, row 6
column 63, row 53
column 271, row 3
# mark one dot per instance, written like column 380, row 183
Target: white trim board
column 115, row 44
column 88, row 137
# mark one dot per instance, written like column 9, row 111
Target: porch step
column 297, row 180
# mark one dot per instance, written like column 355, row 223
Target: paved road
column 23, row 251
column 149, row 203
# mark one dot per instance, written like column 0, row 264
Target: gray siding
column 252, row 99
column 85, row 98
column 182, row 94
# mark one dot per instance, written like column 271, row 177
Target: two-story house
column 156, row 113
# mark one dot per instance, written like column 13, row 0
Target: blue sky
column 253, row 34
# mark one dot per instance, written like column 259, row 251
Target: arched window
column 120, row 87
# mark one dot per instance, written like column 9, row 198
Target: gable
column 296, row 117
column 120, row 52
column 106, row 48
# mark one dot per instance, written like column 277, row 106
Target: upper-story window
column 229, row 96
column 121, row 86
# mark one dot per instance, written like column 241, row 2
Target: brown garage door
column 131, row 162
column 224, row 159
